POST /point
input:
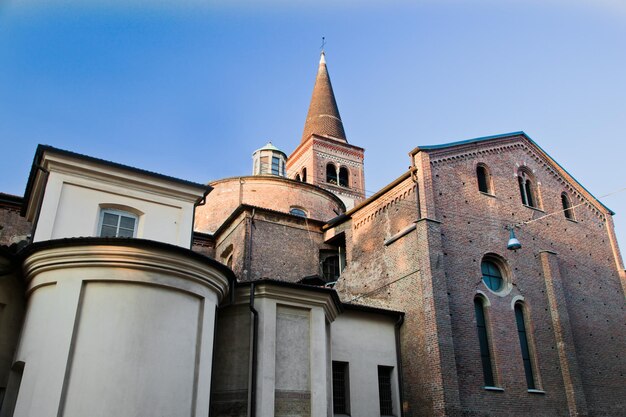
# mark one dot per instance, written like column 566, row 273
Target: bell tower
column 324, row 156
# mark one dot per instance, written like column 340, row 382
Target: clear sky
column 192, row 88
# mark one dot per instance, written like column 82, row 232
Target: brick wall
column 14, row 227
column 567, row 274
column 592, row 301
column 276, row 193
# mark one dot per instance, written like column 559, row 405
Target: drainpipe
column 253, row 361
column 248, row 260
column 201, row 202
column 399, row 362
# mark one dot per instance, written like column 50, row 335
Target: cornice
column 496, row 146
column 165, row 262
column 293, row 294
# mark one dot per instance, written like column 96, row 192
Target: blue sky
column 192, row 88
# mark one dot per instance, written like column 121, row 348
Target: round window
column 492, row 276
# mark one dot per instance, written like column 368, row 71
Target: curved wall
column 118, row 329
column 271, row 192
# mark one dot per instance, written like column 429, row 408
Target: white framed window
column 117, row 223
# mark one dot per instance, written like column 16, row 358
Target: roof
column 323, row 117
column 270, row 147
column 41, row 149
column 504, row 136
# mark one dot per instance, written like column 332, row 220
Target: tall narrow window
column 567, row 206
column 482, row 175
column 527, row 188
column 483, row 339
column 384, row 390
column 340, row 388
column 344, row 177
column 523, row 341
column 117, row 223
column 275, row 165
column 331, row 174
column 303, row 174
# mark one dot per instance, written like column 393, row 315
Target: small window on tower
column 344, row 177
column 303, row 174
column 331, row 174
column 117, row 223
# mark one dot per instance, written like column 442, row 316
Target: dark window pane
column 523, row 341
column 384, row 390
column 108, row 231
column 330, row 268
column 110, row 219
column 340, row 385
column 331, row 174
column 303, row 174
column 522, row 190
column 481, row 174
column 125, row 233
column 529, row 194
column 483, row 340
column 127, row 222
column 567, row 211
column 491, row 275
column 275, row 165
column 343, row 177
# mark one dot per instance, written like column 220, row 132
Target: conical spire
column 323, row 117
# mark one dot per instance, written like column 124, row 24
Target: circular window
column 492, row 276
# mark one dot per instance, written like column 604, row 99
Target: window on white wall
column 341, row 393
column 117, row 223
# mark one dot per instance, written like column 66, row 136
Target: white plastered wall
column 122, row 332
column 365, row 341
column 76, row 192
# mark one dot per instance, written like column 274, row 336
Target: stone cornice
column 159, row 266
column 297, row 295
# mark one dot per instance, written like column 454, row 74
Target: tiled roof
column 323, row 117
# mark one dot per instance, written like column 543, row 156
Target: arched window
column 483, row 340
column 484, row 179
column 527, row 188
column 297, row 212
column 303, row 174
column 567, row 206
column 524, row 345
column 344, row 177
column 492, row 276
column 331, row 174
column 297, row 178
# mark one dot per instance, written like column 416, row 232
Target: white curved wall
column 118, row 331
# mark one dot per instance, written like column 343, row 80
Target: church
column 484, row 281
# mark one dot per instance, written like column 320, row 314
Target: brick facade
column 568, row 274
